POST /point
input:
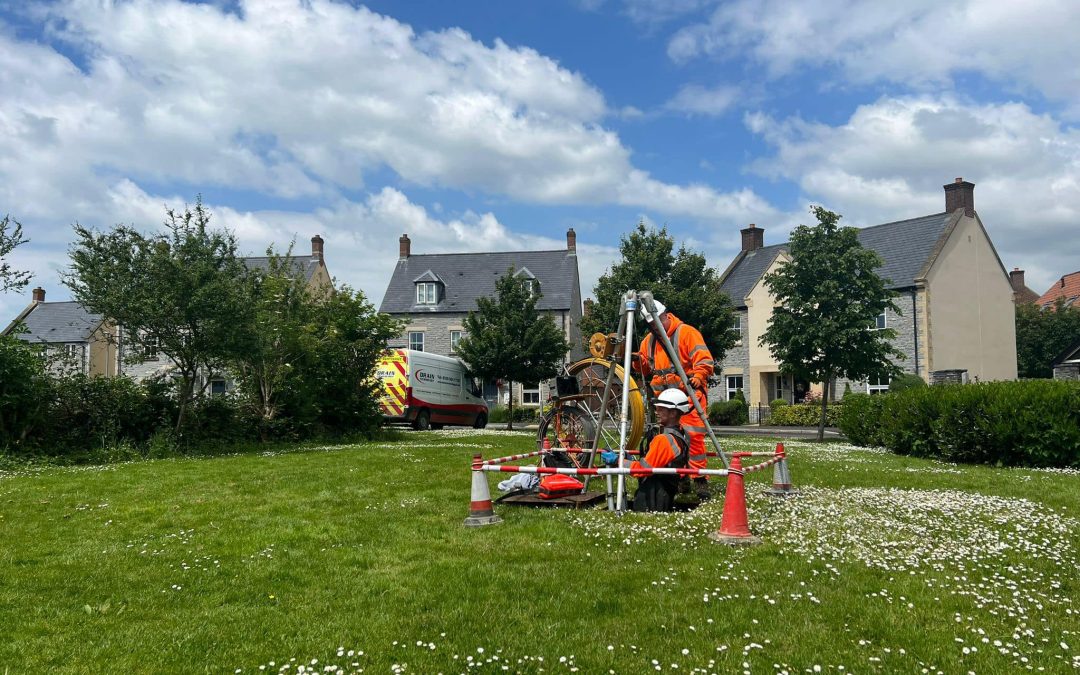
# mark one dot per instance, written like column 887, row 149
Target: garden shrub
column 778, row 403
column 1026, row 423
column 804, row 415
column 860, row 419
column 500, row 414
column 729, row 413
column 906, row 381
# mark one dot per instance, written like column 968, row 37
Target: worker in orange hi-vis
column 653, row 363
column 668, row 449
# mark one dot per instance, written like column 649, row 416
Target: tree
column 11, row 279
column 179, row 292
column 683, row 281
column 827, row 300
column 506, row 338
column 1042, row 334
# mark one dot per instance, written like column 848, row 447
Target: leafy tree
column 827, row 298
column 24, row 387
column 179, row 292
column 682, row 280
column 507, row 338
column 1042, row 334
column 11, row 279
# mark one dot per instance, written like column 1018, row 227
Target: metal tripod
column 633, row 302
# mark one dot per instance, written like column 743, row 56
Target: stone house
column 434, row 292
column 956, row 301
column 75, row 340
column 1067, row 364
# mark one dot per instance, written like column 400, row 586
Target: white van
column 428, row 390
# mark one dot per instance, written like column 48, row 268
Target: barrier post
column 481, row 511
column 781, row 483
column 734, row 528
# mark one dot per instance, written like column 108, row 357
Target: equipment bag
column 558, row 485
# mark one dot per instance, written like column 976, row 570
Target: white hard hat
column 660, row 308
column 673, row 398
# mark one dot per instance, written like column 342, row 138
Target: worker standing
column 668, row 449
column 653, row 362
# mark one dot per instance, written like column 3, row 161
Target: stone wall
column 1067, row 371
column 735, row 362
column 903, row 323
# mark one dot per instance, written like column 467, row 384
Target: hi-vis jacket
column 668, row 449
column 694, row 355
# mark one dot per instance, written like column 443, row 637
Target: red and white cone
column 480, row 509
column 734, row 528
column 781, row 477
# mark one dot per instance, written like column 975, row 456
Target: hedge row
column 804, row 415
column 1027, row 423
column 731, row 413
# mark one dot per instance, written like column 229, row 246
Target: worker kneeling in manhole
column 668, row 449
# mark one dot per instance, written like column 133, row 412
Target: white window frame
column 427, row 293
column 730, row 389
column 881, row 322
column 455, row 337
column 413, row 341
column 528, row 393
column 781, row 387
column 874, row 386
column 224, row 386
column 736, row 323
column 73, row 351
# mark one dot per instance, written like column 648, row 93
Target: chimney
column 571, row 241
column 753, row 237
column 960, row 194
column 404, row 247
column 38, row 294
column 1016, row 278
column 317, row 247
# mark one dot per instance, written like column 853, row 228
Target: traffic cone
column 781, row 477
column 480, row 510
column 733, row 524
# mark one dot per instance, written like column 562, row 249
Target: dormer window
column 429, row 288
column 529, row 280
column 427, row 293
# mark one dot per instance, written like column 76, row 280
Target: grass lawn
column 355, row 557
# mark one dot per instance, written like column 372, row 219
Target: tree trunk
column 510, row 408
column 824, row 407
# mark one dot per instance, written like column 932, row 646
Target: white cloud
column 1030, row 45
column 891, row 158
column 695, row 99
column 302, row 99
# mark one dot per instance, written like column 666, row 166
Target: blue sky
column 496, row 126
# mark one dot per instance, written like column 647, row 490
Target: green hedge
column 731, row 413
column 499, row 414
column 1028, row 423
column 804, row 415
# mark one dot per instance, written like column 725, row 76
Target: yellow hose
column 637, row 402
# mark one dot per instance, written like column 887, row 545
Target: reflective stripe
column 644, row 463
column 664, row 371
column 698, row 458
column 695, row 350
column 705, row 362
column 699, row 430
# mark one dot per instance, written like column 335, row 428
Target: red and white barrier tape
column 612, row 471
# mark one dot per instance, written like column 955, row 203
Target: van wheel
column 423, row 421
column 481, row 421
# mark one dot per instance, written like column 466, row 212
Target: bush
column 499, row 414
column 1027, row 423
column 777, row 403
column 906, row 381
column 729, row 413
column 804, row 415
column 860, row 419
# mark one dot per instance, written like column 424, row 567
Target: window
column 73, row 351
column 877, row 385
column 218, row 387
column 532, row 286
column 879, row 322
column 427, row 293
column 149, row 348
column 734, row 384
column 781, row 388
column 736, row 323
column 455, row 337
column 416, row 341
column 530, row 396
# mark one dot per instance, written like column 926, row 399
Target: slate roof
column 303, row 264
column 468, row 276
column 55, row 322
column 1067, row 288
column 905, row 247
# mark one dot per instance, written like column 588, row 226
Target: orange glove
column 637, row 365
column 669, row 380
